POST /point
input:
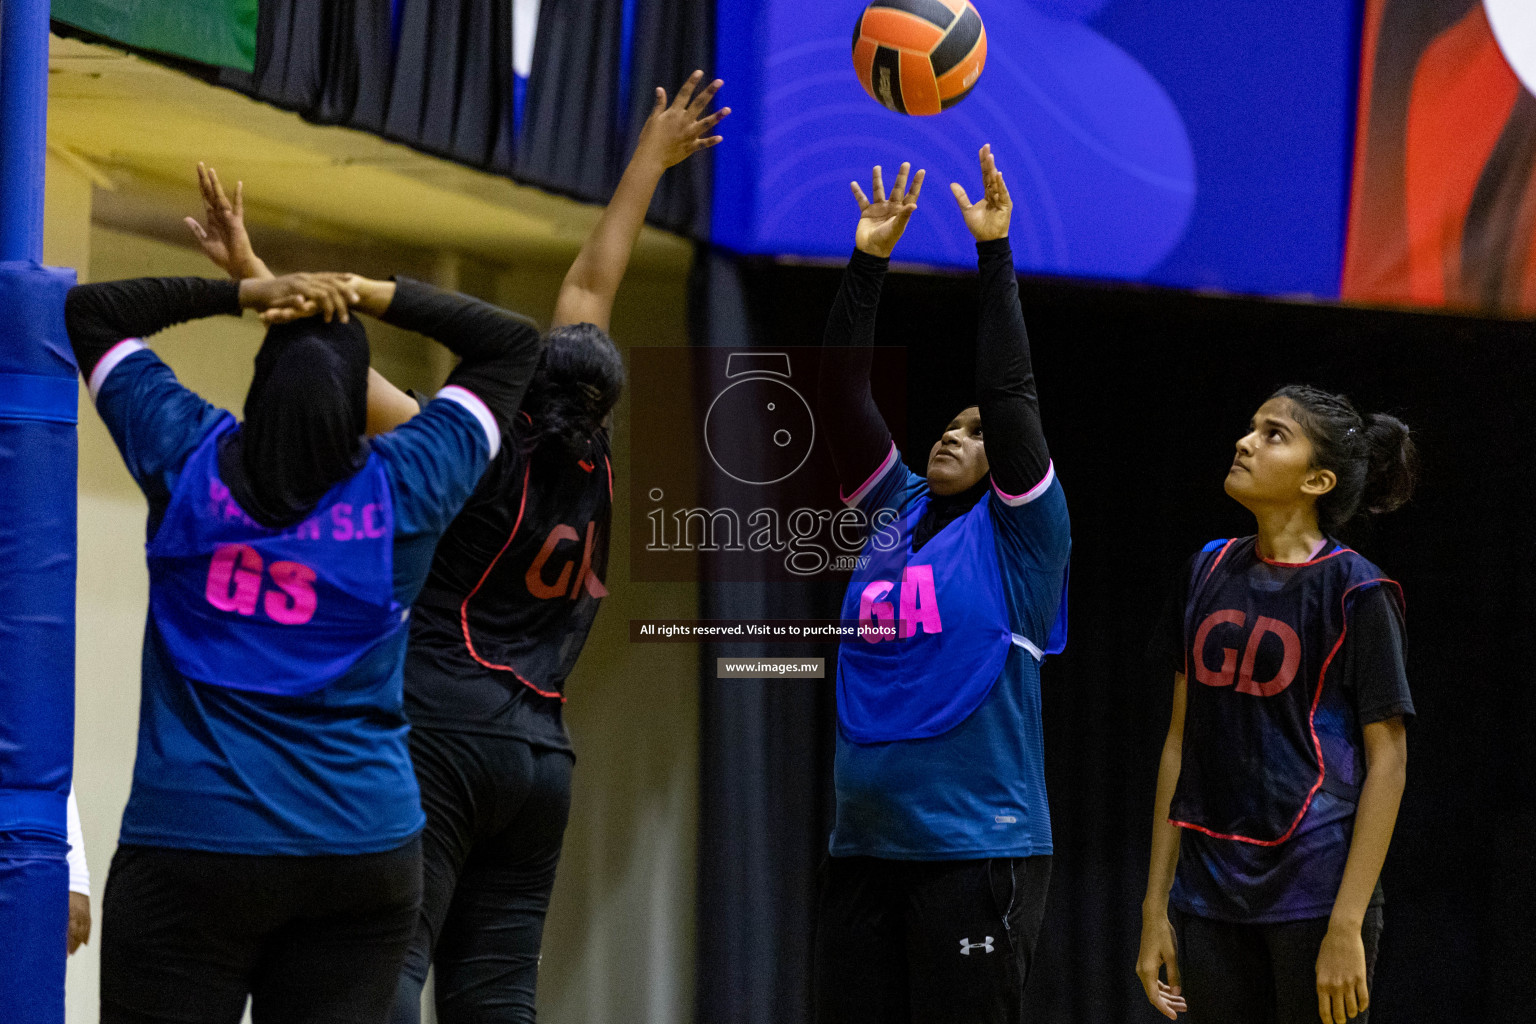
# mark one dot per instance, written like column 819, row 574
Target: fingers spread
column 685, row 91
column 899, row 192
column 702, row 98
column 858, row 194
column 879, row 185
column 917, row 185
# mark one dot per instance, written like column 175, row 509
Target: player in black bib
column 514, row 588
column 1285, row 759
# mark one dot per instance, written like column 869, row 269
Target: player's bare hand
column 883, row 219
column 987, row 218
column 677, row 130
column 221, row 235
column 294, row 296
column 1159, row 951
column 79, row 921
column 1341, row 990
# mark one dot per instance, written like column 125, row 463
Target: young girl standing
column 1285, row 758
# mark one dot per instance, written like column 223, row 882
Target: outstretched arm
column 1005, row 378
column 671, row 134
column 845, row 406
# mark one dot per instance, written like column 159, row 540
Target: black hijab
column 305, row 415
column 944, row 509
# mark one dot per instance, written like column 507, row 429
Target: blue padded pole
column 37, row 543
column 23, row 127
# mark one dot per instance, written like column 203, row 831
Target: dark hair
column 578, row 380
column 1374, row 458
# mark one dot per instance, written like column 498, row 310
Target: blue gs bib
column 280, row 611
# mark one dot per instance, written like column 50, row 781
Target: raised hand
column 223, row 239
column 882, row 221
column 676, row 131
column 987, row 219
column 294, row 296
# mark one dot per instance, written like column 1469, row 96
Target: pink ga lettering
column 917, row 599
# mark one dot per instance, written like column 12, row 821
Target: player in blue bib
column 269, row 848
column 932, row 896
column 1285, row 758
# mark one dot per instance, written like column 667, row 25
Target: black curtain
column 1143, row 394
column 578, row 131
column 441, row 81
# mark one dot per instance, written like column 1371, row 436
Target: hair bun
column 1393, row 463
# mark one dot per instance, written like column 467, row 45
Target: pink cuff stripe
column 481, row 412
column 852, row 500
column 1031, row 494
column 107, row 363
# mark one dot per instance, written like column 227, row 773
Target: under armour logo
column 966, row 945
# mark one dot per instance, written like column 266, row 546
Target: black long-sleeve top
column 1005, row 380
column 498, row 350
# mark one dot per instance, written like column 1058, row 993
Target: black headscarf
column 944, row 509
column 305, row 415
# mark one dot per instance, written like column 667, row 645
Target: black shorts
column 186, row 935
column 927, row 942
column 496, row 813
column 1259, row 973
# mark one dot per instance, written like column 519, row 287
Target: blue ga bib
column 280, row 611
column 933, row 631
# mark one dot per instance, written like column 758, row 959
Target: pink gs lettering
column 235, row 584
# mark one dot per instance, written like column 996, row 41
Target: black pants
column 187, row 935
column 1259, row 973
column 927, row 942
column 496, row 813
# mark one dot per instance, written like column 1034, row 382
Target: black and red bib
column 1265, row 727
column 517, row 579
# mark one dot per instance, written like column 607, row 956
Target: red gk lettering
column 1230, row 672
column 586, row 579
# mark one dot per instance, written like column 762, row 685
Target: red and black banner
column 1443, row 211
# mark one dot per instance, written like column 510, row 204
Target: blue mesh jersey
column 238, row 771
column 978, row 789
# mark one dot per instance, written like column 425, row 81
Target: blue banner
column 1180, row 143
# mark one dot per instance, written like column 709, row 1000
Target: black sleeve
column 498, row 350
column 1165, row 652
column 1374, row 663
column 856, row 432
column 1005, row 377
column 98, row 316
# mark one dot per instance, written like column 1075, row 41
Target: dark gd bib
column 534, row 604
column 933, row 631
column 1265, row 728
column 275, row 611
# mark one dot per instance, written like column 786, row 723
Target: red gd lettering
column 586, row 579
column 234, row 585
column 1230, row 671
column 917, row 598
